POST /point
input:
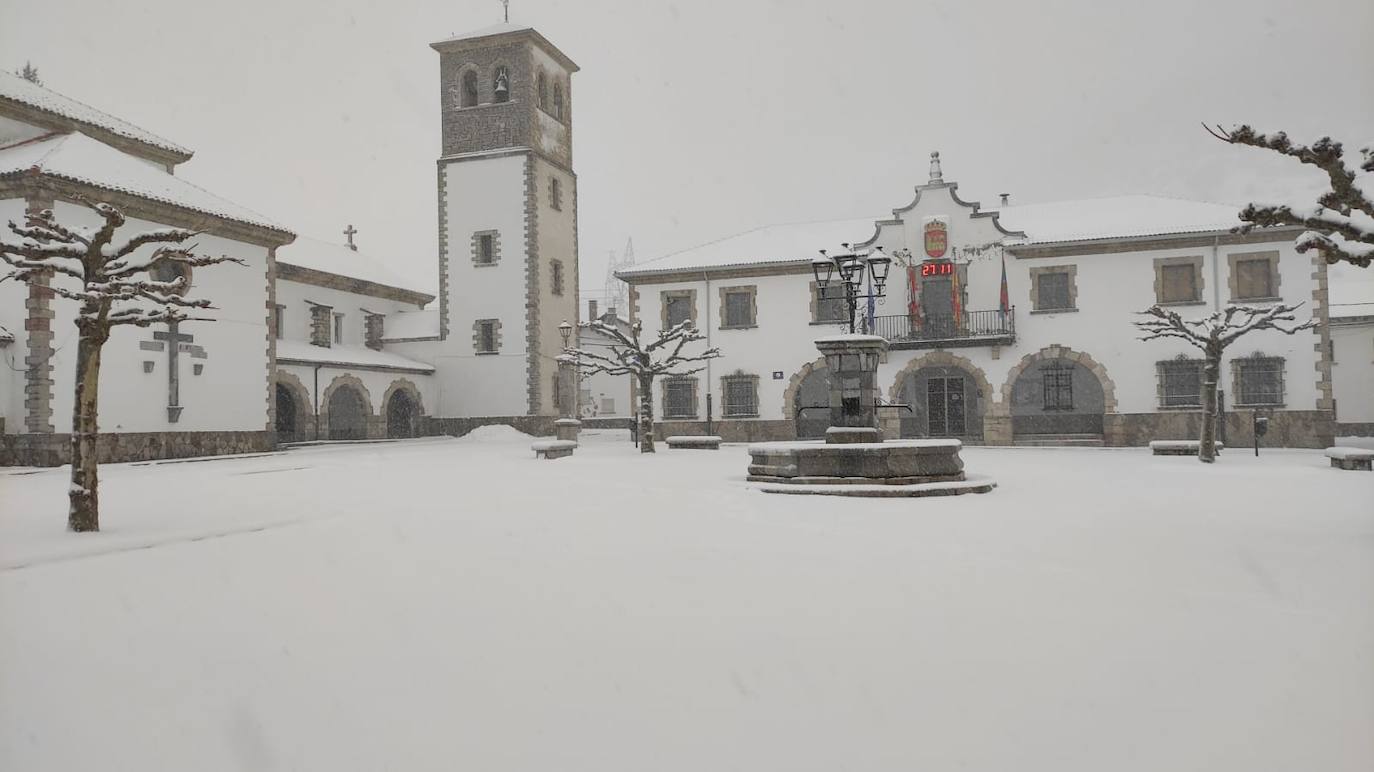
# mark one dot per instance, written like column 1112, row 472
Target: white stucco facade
column 1352, row 343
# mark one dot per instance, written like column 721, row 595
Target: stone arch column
column 411, row 390
column 1056, row 351
column 300, row 395
column 370, row 412
column 993, row 408
column 789, row 395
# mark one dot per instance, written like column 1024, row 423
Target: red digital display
column 937, row 268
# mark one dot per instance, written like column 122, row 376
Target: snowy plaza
column 1102, row 609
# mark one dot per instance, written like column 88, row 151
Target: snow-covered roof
column 340, row 260
column 79, row 158
column 495, row 29
column 407, row 325
column 770, row 244
column 302, row 351
column 16, row 88
column 1114, row 217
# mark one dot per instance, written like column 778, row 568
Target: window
column 557, row 393
column 1180, row 383
column 1259, row 380
column 484, row 248
column 469, row 96
column 338, row 328
column 680, row 398
column 558, row 99
column 557, row 276
column 500, row 84
column 1254, row 276
column 677, row 308
column 737, row 307
column 1057, row 380
column 608, row 405
column 1052, row 291
column 278, row 320
column 556, row 193
column 542, row 88
column 829, row 304
column 741, row 394
column 1178, row 280
column 486, row 336
column 171, row 270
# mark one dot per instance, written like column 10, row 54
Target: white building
column 314, row 340
column 1061, row 365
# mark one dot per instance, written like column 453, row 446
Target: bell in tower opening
column 501, row 85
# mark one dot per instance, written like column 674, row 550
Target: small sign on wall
column 777, row 375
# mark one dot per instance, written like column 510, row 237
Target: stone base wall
column 1287, row 428
column 730, row 431
column 537, row 425
column 1355, row 429
column 55, row 449
column 608, row 423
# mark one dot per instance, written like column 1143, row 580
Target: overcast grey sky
column 693, row 120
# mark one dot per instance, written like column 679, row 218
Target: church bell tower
column 507, row 220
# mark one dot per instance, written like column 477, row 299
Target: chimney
column 1006, row 199
column 591, row 310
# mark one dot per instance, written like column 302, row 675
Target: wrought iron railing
column 994, row 325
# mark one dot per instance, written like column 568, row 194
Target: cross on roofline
column 348, row 233
column 505, row 4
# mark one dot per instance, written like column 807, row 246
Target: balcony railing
column 972, row 328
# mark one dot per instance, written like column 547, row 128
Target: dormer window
column 558, row 100
column 469, row 95
column 501, row 84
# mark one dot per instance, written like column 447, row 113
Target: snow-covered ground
column 455, row 604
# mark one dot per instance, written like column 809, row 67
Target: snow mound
column 495, row 433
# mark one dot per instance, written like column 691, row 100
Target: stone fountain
column 854, row 460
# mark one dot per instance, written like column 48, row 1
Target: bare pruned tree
column 1212, row 334
column 1341, row 223
column 115, row 284
column 629, row 356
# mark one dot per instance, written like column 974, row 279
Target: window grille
column 1180, row 383
column 741, row 396
column 739, row 309
column 1058, row 386
column 680, row 398
column 1259, row 381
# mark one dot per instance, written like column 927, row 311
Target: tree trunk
column 1211, row 374
column 646, row 414
column 84, row 512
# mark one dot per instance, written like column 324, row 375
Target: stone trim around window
column 752, row 291
column 666, row 414
column 1257, row 358
column 1198, row 279
column 1037, row 271
column 477, row 336
column 738, row 377
column 477, row 248
column 691, row 296
column 1233, row 277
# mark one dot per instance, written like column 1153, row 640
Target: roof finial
column 349, row 232
column 505, row 4
column 935, row 176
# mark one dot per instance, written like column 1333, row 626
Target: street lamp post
column 567, row 425
column 853, row 268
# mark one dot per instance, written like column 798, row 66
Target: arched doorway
column 1057, row 396
column 813, row 393
column 286, row 413
column 945, row 401
column 400, row 414
column 347, row 414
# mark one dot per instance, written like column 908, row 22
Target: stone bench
column 1351, row 458
column 693, row 442
column 1179, row 447
column 553, row 448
